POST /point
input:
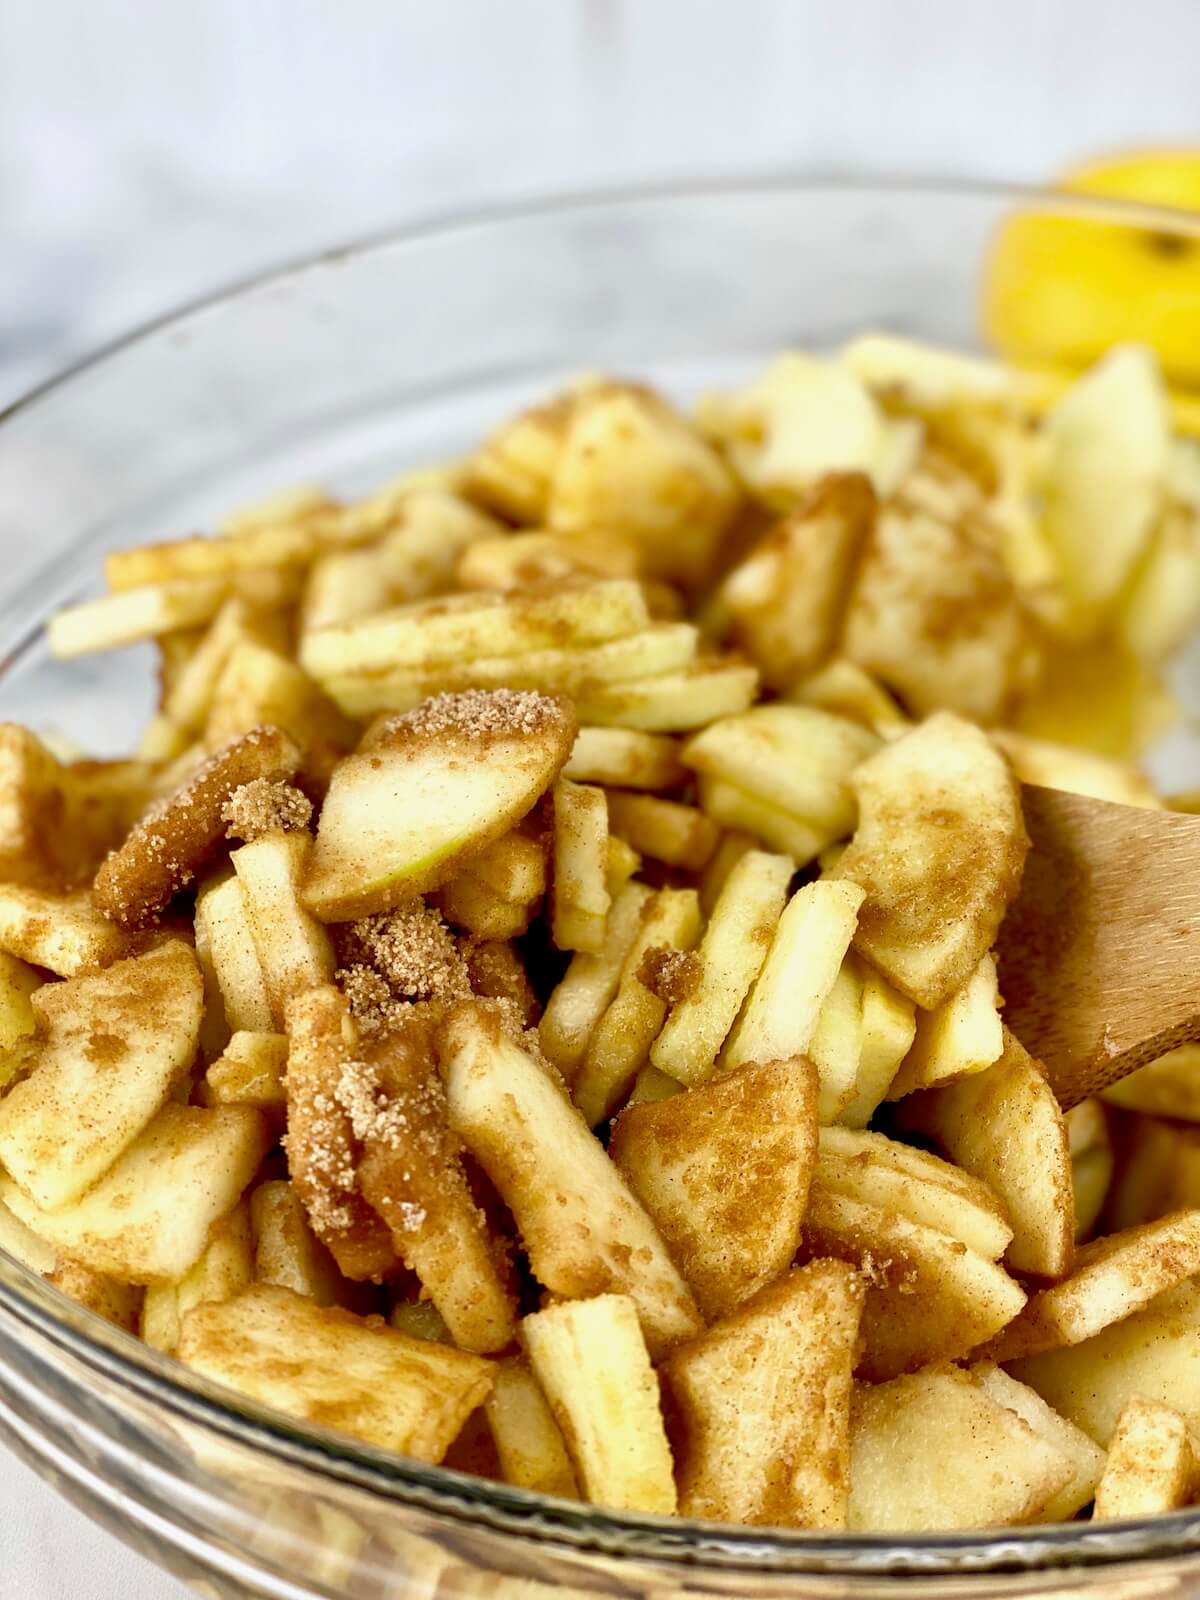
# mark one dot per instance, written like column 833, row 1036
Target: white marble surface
column 149, row 152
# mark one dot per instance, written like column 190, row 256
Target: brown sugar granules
column 372, row 1004
column 412, row 949
column 329, row 1195
column 398, row 957
column 670, row 974
column 479, row 714
column 261, row 807
column 497, row 973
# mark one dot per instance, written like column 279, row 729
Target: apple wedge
column 1151, row 1466
column 786, row 597
column 630, row 461
column 1107, row 452
column 887, row 1027
column 1005, row 1126
column 903, row 1182
column 933, row 614
column 323, row 1154
column 578, row 670
column 1154, row 1353
column 1083, row 1454
column 167, row 847
column 583, row 994
column 782, row 1010
column 528, row 1440
column 935, row 1451
column 958, row 1039
column 1112, row 1278
column 741, row 927
column 325, row 1365
column 286, row 1250
column 412, row 1174
column 583, row 1230
column 475, row 626
column 63, row 932
column 107, row 1052
column 435, row 787
column 152, row 1213
column 963, row 1298
column 1159, row 1170
column 590, row 1358
column 939, row 850
column 764, row 1404
column 723, row 1172
column 795, row 758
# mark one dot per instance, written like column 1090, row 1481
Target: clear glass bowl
column 345, row 370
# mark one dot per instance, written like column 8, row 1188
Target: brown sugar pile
column 396, row 958
column 479, row 714
column 672, row 975
column 261, row 807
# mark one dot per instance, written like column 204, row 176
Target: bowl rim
column 27, row 1300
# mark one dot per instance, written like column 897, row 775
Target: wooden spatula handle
column 1099, row 956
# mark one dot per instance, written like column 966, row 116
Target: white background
column 152, row 149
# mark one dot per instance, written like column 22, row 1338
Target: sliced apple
column 583, row 994
column 1107, row 455
column 583, row 671
column 801, row 418
column 1154, row 1353
column 934, row 1451
column 740, row 929
column 960, row 1037
column 108, row 1050
column 1061, row 766
column 672, row 701
column 1005, row 1126
column 723, row 1172
column 435, row 787
column 933, row 614
column 590, row 1358
column 764, row 1403
column 963, row 1298
column 1112, row 1278
column 324, row 1365
column 168, row 846
column 63, row 932
column 786, row 597
column 629, row 461
column 583, row 1230
column 878, row 1171
column 151, row 1214
column 528, row 1440
column 467, row 627
column 794, row 757
column 939, row 850
column 17, row 1018
column 781, row 1012
column 1083, row 1454
column 887, row 1020
column 1151, row 1466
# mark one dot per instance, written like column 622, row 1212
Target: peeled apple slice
column 429, row 789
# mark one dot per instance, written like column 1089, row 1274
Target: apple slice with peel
column 431, row 789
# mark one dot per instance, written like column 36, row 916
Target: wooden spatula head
column 1099, row 956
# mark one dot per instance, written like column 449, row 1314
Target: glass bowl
column 345, row 370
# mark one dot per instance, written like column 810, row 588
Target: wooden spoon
column 1099, row 956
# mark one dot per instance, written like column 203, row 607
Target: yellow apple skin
column 1062, row 290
